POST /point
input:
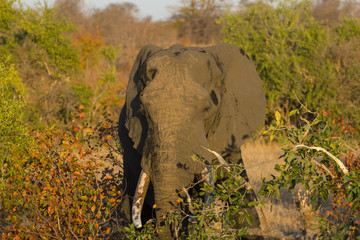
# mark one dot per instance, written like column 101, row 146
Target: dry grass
column 260, row 159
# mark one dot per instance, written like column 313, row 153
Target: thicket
column 299, row 59
column 312, row 153
column 62, row 78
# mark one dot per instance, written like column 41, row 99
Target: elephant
column 180, row 101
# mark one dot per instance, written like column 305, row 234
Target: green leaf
column 355, row 205
column 242, row 231
column 293, row 112
column 350, row 196
column 250, row 204
column 272, row 137
column 277, row 192
column 248, row 219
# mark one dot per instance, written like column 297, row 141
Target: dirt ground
column 282, row 214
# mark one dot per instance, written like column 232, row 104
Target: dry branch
column 341, row 165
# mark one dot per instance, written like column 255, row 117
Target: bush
column 51, row 191
column 311, row 154
column 12, row 128
column 298, row 58
column 285, row 44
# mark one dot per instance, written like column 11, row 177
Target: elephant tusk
column 139, row 198
column 220, row 158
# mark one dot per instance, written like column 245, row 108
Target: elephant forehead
column 172, row 79
column 173, row 59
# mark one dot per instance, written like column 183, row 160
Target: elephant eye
column 214, row 98
column 152, row 73
column 149, row 75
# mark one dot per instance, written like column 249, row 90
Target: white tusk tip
column 137, row 223
column 138, row 226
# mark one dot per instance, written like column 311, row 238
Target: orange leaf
column 108, row 230
column 89, row 131
column 109, row 177
column 93, row 208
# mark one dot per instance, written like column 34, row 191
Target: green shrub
column 12, row 127
column 82, row 94
column 285, row 44
column 298, row 59
column 312, row 153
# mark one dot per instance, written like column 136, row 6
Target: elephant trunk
column 167, row 193
column 167, row 160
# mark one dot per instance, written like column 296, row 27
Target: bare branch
column 323, row 167
column 341, row 165
column 303, row 104
column 188, row 198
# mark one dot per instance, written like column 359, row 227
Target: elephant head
column 178, row 101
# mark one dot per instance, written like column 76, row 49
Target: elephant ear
column 242, row 107
column 135, row 119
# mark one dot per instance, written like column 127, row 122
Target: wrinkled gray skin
column 180, row 99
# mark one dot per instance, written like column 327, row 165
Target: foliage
column 83, row 94
column 195, row 20
column 99, row 86
column 213, row 219
column 52, row 45
column 60, row 70
column 311, row 153
column 42, row 34
column 285, row 44
column 39, row 45
column 345, row 52
column 298, row 58
column 89, row 45
column 147, row 232
column 52, row 191
column 12, row 128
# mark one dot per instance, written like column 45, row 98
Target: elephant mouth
column 144, row 181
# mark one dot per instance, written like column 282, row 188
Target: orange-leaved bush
column 52, row 191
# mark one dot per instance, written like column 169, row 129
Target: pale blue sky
column 157, row 9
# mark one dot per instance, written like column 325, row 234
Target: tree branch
column 341, row 165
